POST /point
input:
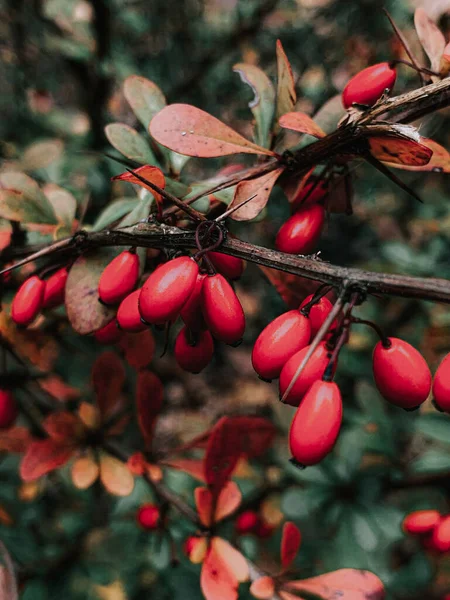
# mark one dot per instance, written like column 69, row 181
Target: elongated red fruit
column 301, row 232
column 277, row 342
column 55, row 287
column 440, row 539
column 119, row 278
column 28, row 301
column 441, row 385
column 148, row 516
column 306, row 197
column 316, row 424
column 318, row 313
column 128, row 315
column 222, row 310
column 8, row 409
column 401, row 374
column 313, row 371
column 367, row 86
column 109, row 334
column 421, row 522
column 191, row 313
column 228, row 266
column 194, row 357
column 167, row 289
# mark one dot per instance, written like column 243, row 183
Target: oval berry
column 318, row 313
column 55, row 288
column 191, row 313
column 8, row 409
column 167, row 290
column 401, row 374
column 247, row 522
column 306, row 197
column 148, row 516
column 119, row 278
column 301, row 232
column 440, row 538
column 222, row 310
column 316, row 424
column 441, row 385
column 109, row 334
column 128, row 315
column 313, row 371
column 28, row 301
column 228, row 266
column 193, row 351
column 367, row 86
column 277, row 342
column 421, row 522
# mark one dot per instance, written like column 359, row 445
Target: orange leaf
column 149, row 399
column 204, row 503
column 399, row 151
column 430, row 36
column 63, row 427
column 345, row 584
column 302, row 123
column 263, row 588
column 228, row 501
column 57, row 388
column 292, row 288
column 138, row 348
column 194, row 132
column 257, row 434
column 216, row 580
column 152, row 174
column 108, row 377
column 42, row 457
column 234, row 560
column 192, row 467
column 439, row 162
column 115, row 476
column 260, row 188
column 15, row 439
column 137, row 463
column 222, row 453
column 290, row 543
column 286, row 96
column 85, row 471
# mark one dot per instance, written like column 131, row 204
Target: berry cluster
column 431, row 528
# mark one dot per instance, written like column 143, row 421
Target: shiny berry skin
column 128, row 315
column 441, row 385
column 228, row 266
column 277, row 342
column 55, row 288
column 167, row 289
column 119, row 278
column 367, row 86
column 191, row 313
column 301, row 232
column 193, row 358
column 440, row 538
column 401, row 374
column 222, row 310
column 318, row 313
column 28, row 301
column 316, row 424
column 109, row 334
column 8, row 409
column 148, row 516
column 247, row 522
column 421, row 522
column 305, row 197
column 313, row 371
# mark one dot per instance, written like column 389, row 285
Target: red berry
column 301, row 232
column 148, row 516
column 28, row 301
column 109, row 334
column 440, row 539
column 8, row 409
column 229, row 266
column 318, row 313
column 277, row 342
column 222, row 310
column 194, row 357
column 167, row 290
column 128, row 315
column 247, row 522
column 367, row 86
column 306, row 197
column 401, row 374
column 421, row 522
column 441, row 385
column 316, row 424
column 55, row 287
column 119, row 278
column 191, row 313
column 313, row 371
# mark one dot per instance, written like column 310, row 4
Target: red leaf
column 15, row 439
column 263, row 588
column 149, row 399
column 139, row 348
column 57, row 388
column 193, row 132
column 42, row 457
column 191, row 466
column 292, row 288
column 228, row 501
column 256, row 434
column 286, row 96
column 222, row 453
column 152, row 174
column 302, row 123
column 63, row 427
column 345, row 584
column 204, row 503
column 216, row 579
column 439, row 162
column 430, row 36
column 399, row 151
column 108, row 377
column 233, row 559
column 290, row 543
column 260, row 188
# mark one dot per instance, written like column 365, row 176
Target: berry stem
column 321, row 291
column 405, row 45
column 384, row 339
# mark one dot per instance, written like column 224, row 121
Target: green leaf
column 22, row 200
column 144, row 97
column 130, row 143
column 434, row 426
column 431, row 461
column 114, row 211
column 34, row 590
